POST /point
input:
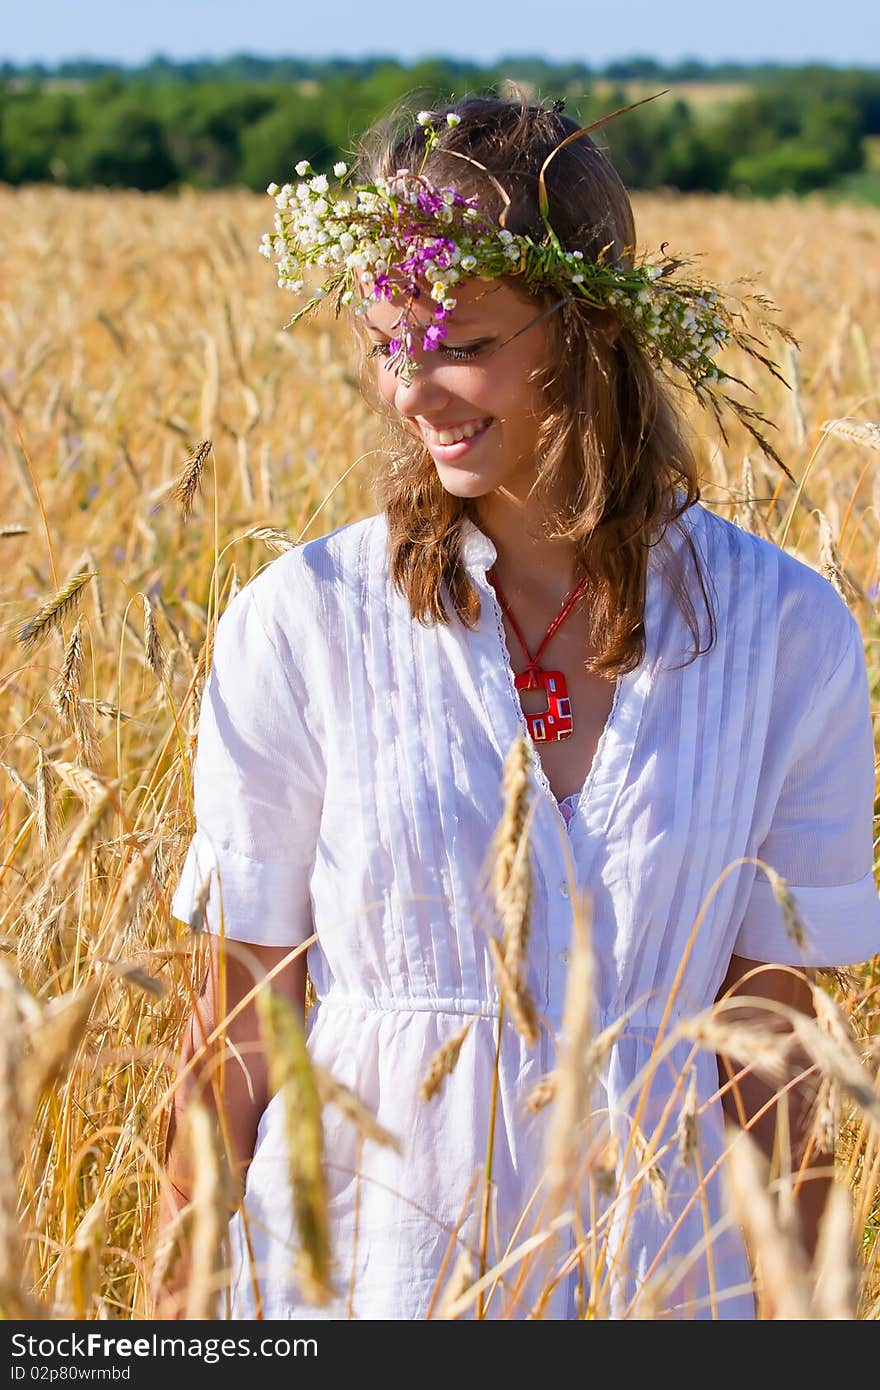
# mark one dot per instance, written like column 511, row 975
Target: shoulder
column 792, row 602
column 301, row 590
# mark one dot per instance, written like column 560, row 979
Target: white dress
column 347, row 782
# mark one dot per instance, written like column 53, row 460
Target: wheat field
column 134, row 327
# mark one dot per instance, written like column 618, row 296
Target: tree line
column 247, row 120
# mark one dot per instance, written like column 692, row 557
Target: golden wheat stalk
column 659, row 1187
column 442, row 1064
column 575, row 1074
column 62, row 1027
column 542, row 1094
column 277, row 541
column 187, row 485
column 836, row 1277
column 516, row 995
column 209, row 1214
column 291, row 1073
column 52, row 614
column 16, row 1012
column 88, row 785
column 152, row 645
column 45, row 817
column 688, row 1132
column 840, row 1061
column 333, row 1092
column 830, row 563
column 23, row 786
column 861, row 432
column 459, row 1282
column 84, row 1257
column 81, row 838
column 778, row 1256
column 763, row 1049
column 511, row 871
column 791, row 917
column 65, row 691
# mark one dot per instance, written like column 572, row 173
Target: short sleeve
column 257, row 787
column 821, row 836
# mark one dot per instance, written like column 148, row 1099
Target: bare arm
column 750, row 1095
column 230, row 1076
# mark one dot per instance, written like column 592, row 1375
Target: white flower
column 468, row 262
column 347, row 297
column 438, row 290
column 346, row 241
column 340, row 169
column 449, row 304
column 505, row 236
column 272, row 189
column 384, row 245
column 319, row 183
column 577, row 279
column 303, row 168
column 425, row 117
column 452, row 119
column 297, row 286
column 320, row 206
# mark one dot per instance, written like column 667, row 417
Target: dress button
column 563, row 957
column 563, row 888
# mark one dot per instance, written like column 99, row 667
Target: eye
column 461, row 354
column 378, row 350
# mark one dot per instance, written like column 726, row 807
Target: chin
column 464, row 484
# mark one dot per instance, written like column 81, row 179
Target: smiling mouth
column 455, row 434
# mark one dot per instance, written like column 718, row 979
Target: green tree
column 124, row 146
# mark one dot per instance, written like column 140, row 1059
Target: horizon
column 380, row 55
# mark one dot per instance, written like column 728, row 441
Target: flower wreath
column 387, row 239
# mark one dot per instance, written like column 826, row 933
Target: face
column 471, row 400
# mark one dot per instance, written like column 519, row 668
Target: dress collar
column 476, row 549
column 478, row 552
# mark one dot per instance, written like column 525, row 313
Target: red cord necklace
column 555, row 722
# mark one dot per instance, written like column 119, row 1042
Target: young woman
column 692, row 699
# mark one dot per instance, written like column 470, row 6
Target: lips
column 455, row 434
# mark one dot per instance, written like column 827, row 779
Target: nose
column 424, row 391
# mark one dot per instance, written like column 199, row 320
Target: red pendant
column 554, row 722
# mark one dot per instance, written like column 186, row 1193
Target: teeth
column 456, row 436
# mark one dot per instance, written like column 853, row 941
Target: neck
column 527, row 560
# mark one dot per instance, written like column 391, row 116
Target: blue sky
column 846, row 32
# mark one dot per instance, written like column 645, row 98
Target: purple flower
column 382, row 287
column 394, row 345
column 434, row 336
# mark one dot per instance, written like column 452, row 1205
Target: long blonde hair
column 611, row 441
